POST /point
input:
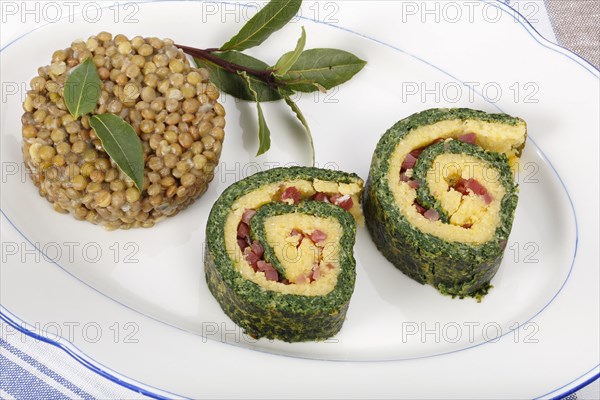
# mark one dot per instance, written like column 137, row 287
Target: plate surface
column 56, row 269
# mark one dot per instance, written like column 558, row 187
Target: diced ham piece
column 242, row 243
column 468, row 138
column 320, row 196
column 417, row 152
column 242, row 231
column 411, row 159
column 465, row 185
column 271, row 275
column 344, row 201
column 333, row 198
column 414, row 184
column 461, row 187
column 300, row 279
column 467, row 226
column 252, row 259
column 248, row 214
column 318, row 236
column 296, row 232
column 316, row 272
column 432, row 214
column 476, row 187
column 409, row 162
column 257, row 248
column 347, row 203
column 291, row 193
column 270, row 272
column 262, row 265
column 420, row 209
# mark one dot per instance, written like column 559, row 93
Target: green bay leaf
column 122, row 144
column 234, row 84
column 271, row 18
column 82, row 89
column 264, row 134
column 289, row 59
column 304, row 123
column 325, row 68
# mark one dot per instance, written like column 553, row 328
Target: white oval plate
column 144, row 291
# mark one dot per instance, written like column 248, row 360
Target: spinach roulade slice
column 279, row 252
column 440, row 198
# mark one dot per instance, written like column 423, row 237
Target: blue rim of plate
column 147, row 390
column 81, row 358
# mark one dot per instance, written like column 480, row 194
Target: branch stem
column 207, row 54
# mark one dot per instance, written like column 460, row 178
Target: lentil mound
column 171, row 105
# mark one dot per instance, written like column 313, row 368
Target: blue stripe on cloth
column 45, row 370
column 22, row 384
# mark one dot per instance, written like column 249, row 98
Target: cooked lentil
column 170, row 104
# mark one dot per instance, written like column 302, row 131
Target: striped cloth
column 32, row 369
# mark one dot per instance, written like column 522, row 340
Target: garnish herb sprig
column 119, row 140
column 247, row 78
column 233, row 72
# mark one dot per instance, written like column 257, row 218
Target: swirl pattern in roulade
column 440, row 198
column 279, row 253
